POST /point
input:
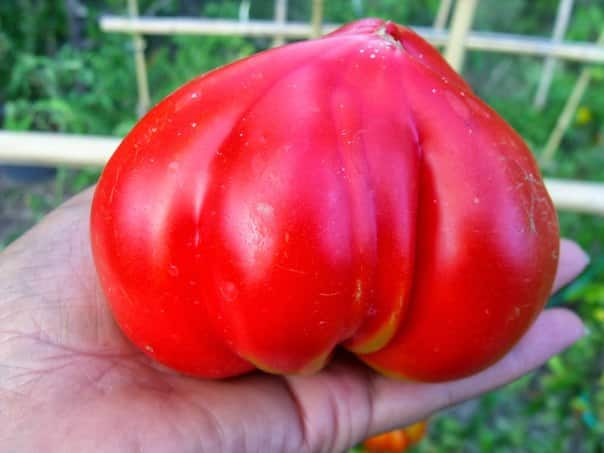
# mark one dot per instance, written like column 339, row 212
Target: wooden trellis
column 61, row 149
column 47, row 148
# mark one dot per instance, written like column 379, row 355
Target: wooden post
column 280, row 18
column 562, row 17
column 460, row 25
column 144, row 98
column 244, row 10
column 444, row 8
column 51, row 148
column 578, row 196
column 565, row 118
column 568, row 112
column 317, row 18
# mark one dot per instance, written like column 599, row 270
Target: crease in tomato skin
column 251, row 354
column 494, row 350
column 374, row 336
column 426, row 55
column 246, row 352
column 231, row 343
column 395, row 325
column 361, row 205
column 389, row 32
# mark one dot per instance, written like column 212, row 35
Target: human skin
column 70, row 380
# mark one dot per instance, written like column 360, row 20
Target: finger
column 572, row 261
column 398, row 403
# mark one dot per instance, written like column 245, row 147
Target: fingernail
column 583, row 258
column 580, row 256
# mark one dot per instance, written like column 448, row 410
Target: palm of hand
column 69, row 380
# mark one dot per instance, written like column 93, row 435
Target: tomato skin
column 346, row 191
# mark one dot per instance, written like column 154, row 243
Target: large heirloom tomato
column 351, row 191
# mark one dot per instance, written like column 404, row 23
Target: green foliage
column 56, row 78
column 187, row 57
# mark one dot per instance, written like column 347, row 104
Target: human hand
column 70, row 381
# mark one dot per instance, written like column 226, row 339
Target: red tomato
column 351, row 191
column 397, row 441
